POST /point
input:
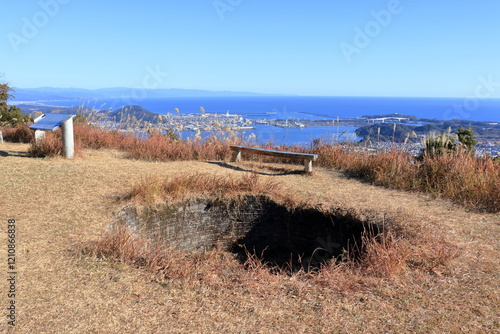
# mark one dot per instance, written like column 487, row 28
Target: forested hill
column 133, row 113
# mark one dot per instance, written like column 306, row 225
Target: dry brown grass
column 151, row 188
column 395, row 253
column 154, row 147
column 382, row 256
column 469, row 181
column 158, row 147
column 60, row 204
column 97, row 138
column 459, row 176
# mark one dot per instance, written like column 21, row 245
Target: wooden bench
column 306, row 157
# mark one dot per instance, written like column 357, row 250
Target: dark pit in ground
column 279, row 236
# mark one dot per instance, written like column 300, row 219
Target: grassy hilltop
column 432, row 269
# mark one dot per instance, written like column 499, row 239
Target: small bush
column 96, row 138
column 50, row 145
column 19, row 134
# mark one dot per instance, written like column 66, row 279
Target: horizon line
column 256, row 93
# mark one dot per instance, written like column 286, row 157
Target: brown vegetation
column 19, row 134
column 458, row 175
column 182, row 186
column 436, row 273
column 387, row 253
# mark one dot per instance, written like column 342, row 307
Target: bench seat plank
column 306, row 157
column 275, row 153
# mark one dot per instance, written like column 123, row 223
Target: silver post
column 67, row 138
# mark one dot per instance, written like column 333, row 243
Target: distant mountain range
column 51, row 93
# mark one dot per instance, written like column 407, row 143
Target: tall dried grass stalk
column 457, row 175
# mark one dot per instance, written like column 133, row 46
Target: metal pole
column 67, row 138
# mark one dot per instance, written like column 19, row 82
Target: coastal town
column 488, row 138
column 375, row 132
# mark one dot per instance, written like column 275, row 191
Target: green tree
column 466, row 137
column 4, row 92
column 10, row 116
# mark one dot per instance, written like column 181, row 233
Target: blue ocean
column 303, row 107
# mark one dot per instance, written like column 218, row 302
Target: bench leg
column 237, row 157
column 308, row 165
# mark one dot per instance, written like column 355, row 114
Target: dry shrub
column 96, row 138
column 385, row 168
column 19, row 134
column 385, row 256
column 473, row 182
column 465, row 179
column 119, row 244
column 389, row 256
column 214, row 149
column 50, row 145
column 158, row 147
column 332, row 156
column 215, row 269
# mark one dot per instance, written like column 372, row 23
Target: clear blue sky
column 422, row 48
